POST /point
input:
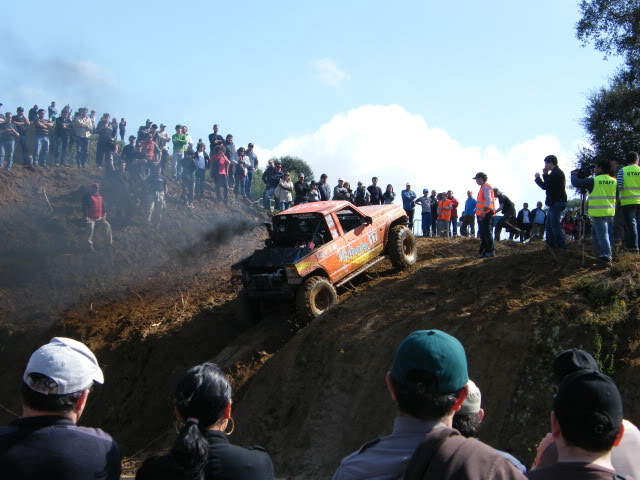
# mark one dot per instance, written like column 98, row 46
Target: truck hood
column 276, row 257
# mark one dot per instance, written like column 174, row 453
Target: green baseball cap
column 435, row 353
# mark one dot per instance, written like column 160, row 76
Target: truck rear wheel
column 315, row 296
column 402, row 248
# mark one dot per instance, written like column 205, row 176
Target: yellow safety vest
column 602, row 200
column 630, row 193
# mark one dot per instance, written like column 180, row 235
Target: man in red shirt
column 94, row 212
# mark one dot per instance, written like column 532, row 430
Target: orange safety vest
column 486, row 200
column 445, row 209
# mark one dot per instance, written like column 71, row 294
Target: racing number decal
column 373, row 237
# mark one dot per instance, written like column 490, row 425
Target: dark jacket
column 554, row 184
column 520, row 217
column 375, row 195
column 271, row 178
column 52, row 447
column 189, row 165
column 325, row 191
column 224, row 461
column 447, row 455
column 302, row 190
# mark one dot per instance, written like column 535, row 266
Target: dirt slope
column 323, row 395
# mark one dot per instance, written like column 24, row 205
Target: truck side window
column 349, row 219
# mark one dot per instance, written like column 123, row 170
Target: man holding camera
column 629, row 183
column 602, row 206
column 553, row 183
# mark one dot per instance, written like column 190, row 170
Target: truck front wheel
column 402, row 248
column 315, row 296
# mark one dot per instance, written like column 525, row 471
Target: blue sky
column 485, row 78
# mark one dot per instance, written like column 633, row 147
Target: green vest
column 602, row 201
column 630, row 193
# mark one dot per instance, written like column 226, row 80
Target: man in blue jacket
column 408, row 199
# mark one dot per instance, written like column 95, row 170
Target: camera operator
column 602, row 205
column 553, row 183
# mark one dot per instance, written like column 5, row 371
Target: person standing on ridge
column 553, row 183
column 408, row 199
column 629, row 186
column 485, row 210
column 469, row 216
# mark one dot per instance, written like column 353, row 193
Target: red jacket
column 93, row 206
column 454, row 204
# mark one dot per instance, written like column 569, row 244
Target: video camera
column 584, row 172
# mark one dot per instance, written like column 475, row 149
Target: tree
column 614, row 28
column 612, row 115
column 612, row 122
column 294, row 166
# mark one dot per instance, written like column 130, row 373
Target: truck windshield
column 300, row 230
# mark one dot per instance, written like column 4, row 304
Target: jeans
column 22, row 140
column 443, row 228
column 247, row 186
column 7, row 147
column 410, row 214
column 434, row 224
column 101, row 153
column 426, row 224
column 82, row 151
column 487, row 244
column 632, row 220
column 602, row 235
column 62, row 148
column 41, row 151
column 221, row 184
column 468, row 223
column 200, row 175
column 555, row 237
column 177, row 168
column 454, row 226
column 266, row 199
column 188, row 185
column 283, row 205
column 240, row 185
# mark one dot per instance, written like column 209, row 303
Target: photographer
column 602, row 205
column 553, row 183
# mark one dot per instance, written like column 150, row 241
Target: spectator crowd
column 137, row 173
column 435, row 435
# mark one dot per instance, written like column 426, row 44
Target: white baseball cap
column 472, row 403
column 69, row 363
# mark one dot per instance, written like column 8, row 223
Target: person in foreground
column 624, row 457
column 469, row 418
column 46, row 442
column 586, row 423
column 202, row 449
column 428, row 382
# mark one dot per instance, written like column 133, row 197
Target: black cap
column 482, row 175
column 570, row 362
column 590, row 402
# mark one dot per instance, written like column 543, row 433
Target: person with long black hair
column 202, row 450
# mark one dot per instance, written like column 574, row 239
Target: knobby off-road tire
column 315, row 296
column 402, row 248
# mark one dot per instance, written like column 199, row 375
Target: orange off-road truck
column 315, row 247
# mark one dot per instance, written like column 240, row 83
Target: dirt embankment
column 323, row 395
column 152, row 282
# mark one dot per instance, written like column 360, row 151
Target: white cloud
column 398, row 146
column 329, row 72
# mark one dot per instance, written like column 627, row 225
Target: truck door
column 360, row 247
